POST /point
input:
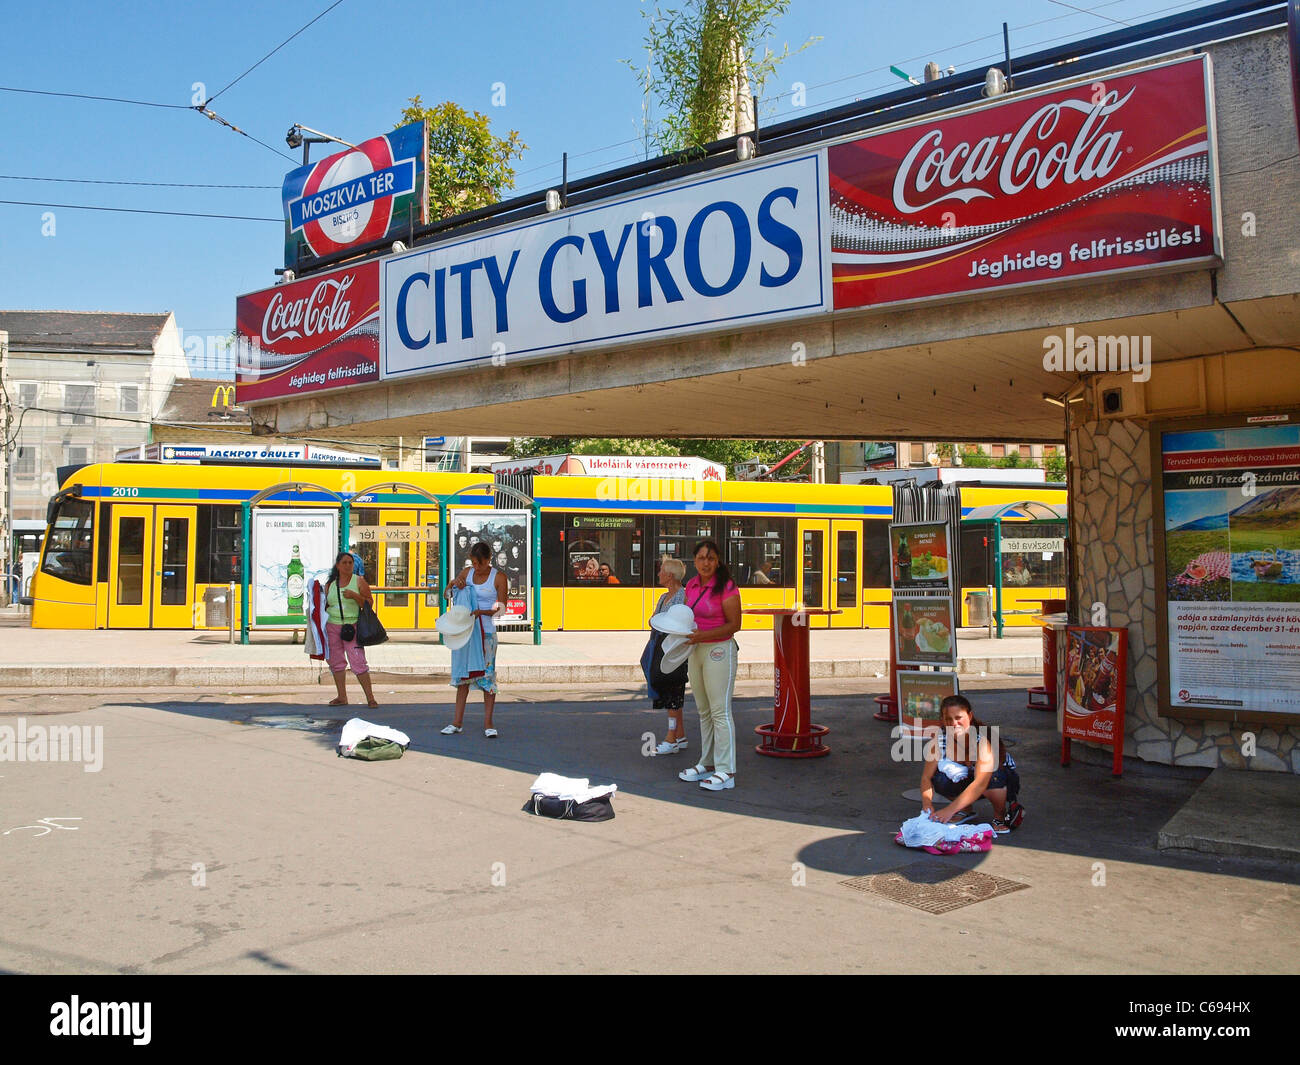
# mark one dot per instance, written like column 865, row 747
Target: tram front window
column 71, row 538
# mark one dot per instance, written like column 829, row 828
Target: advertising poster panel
column 506, row 533
column 1115, row 174
column 921, row 694
column 924, row 632
column 291, row 548
column 1096, row 664
column 722, row 251
column 351, row 198
column 920, row 557
column 1229, row 572
column 306, row 336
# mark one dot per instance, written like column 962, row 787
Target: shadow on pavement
column 857, row 791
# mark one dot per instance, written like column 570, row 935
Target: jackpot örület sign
column 1112, row 175
column 712, row 253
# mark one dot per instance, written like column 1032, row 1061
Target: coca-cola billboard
column 318, row 333
column 1112, row 175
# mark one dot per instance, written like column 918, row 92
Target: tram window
column 677, row 537
column 219, row 546
column 368, row 551
column 175, row 561
column 813, row 554
column 846, row 577
column 130, row 561
column 752, row 544
column 1032, row 568
column 552, row 550
column 875, row 554
column 105, row 543
column 70, row 538
column 975, row 552
column 604, row 550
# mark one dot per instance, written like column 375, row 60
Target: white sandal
column 719, row 781
column 671, row 747
column 490, row 733
column 451, row 730
column 696, row 772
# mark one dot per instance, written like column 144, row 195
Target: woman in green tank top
column 345, row 592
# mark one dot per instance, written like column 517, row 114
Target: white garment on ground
column 576, row 788
column 921, row 831
column 356, row 730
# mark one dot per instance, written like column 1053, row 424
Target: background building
column 81, row 386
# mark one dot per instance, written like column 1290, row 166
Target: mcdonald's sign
column 223, row 396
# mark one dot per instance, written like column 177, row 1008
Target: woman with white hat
column 669, row 681
column 489, row 597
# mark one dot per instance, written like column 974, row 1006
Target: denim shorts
column 1005, row 777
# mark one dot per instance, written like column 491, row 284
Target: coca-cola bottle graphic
column 904, row 558
column 296, row 583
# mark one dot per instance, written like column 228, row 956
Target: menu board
column 924, row 632
column 1228, row 566
column 921, row 694
column 920, row 557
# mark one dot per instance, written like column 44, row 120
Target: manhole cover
column 930, row 887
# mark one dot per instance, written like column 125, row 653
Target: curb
column 275, row 676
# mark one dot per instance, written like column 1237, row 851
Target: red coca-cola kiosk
column 792, row 733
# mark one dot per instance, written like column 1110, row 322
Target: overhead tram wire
column 150, row 184
column 141, row 210
column 102, row 99
column 268, row 55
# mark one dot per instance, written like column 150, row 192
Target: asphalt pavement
column 222, row 834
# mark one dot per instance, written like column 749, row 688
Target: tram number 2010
column 123, row 492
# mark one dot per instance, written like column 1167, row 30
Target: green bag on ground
column 373, row 749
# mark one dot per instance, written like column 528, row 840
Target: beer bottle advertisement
column 291, row 548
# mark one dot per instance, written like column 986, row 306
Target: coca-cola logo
column 324, row 310
column 1064, row 141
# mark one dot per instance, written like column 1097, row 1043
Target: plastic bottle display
column 295, row 584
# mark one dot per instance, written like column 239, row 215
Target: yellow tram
column 139, row 545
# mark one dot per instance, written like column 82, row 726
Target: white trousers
column 712, row 672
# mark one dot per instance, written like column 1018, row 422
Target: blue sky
column 350, row 74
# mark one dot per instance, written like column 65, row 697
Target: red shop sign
column 307, row 336
column 1112, row 175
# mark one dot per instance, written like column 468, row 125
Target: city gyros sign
column 717, row 253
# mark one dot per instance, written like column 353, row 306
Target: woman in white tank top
column 489, row 586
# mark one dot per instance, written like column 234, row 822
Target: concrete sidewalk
column 122, row 658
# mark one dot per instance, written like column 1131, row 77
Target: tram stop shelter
column 1026, row 544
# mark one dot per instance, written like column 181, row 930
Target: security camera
column 294, row 137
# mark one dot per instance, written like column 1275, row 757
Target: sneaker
column 451, row 730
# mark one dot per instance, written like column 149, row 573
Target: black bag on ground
column 599, row 809
column 369, row 629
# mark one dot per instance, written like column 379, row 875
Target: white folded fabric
column 575, row 788
column 954, row 771
column 355, row 730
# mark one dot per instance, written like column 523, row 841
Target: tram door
column 814, row 570
column 173, row 567
column 130, row 564
column 846, row 558
column 151, row 567
column 397, row 564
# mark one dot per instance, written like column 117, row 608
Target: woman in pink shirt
column 715, row 599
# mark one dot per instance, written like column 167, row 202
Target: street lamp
column 295, row 139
